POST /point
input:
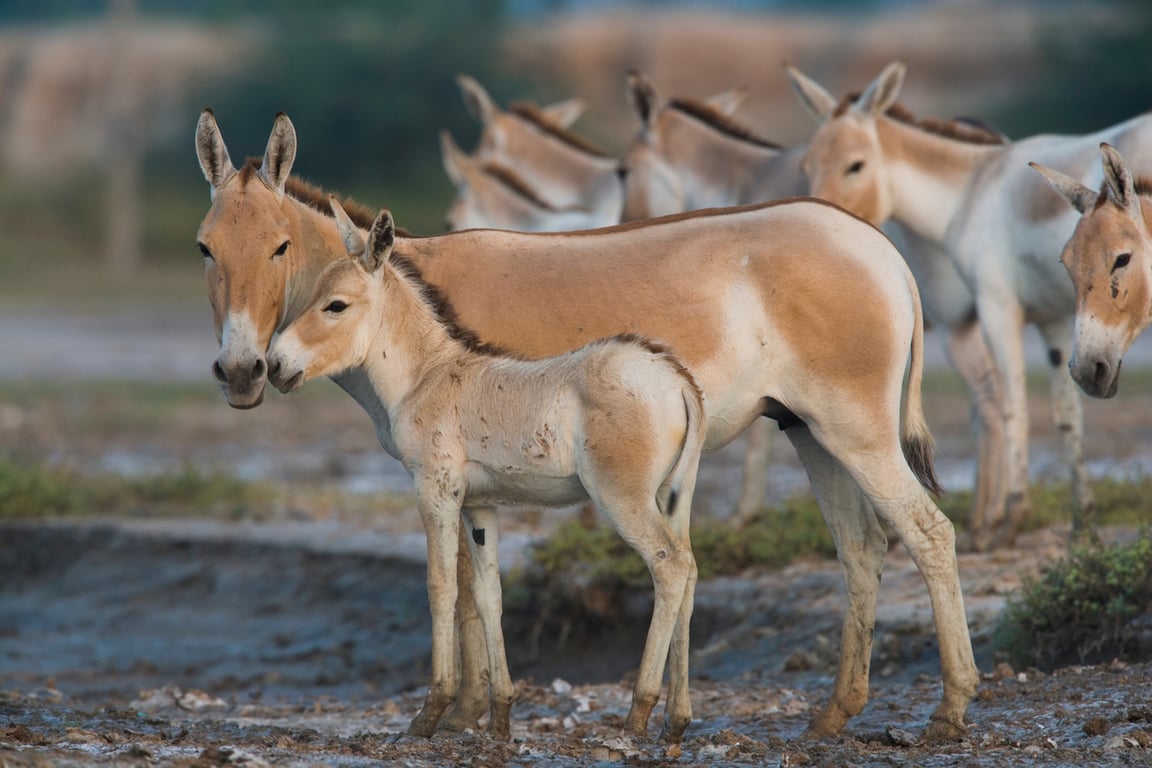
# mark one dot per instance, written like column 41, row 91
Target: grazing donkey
column 1108, row 257
column 967, row 190
column 619, row 421
column 761, row 303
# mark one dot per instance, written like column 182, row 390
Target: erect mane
column 1141, row 184
column 445, row 313
column 714, row 118
column 1144, row 186
column 967, row 130
column 533, row 114
column 515, row 183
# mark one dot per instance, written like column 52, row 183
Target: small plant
column 1077, row 609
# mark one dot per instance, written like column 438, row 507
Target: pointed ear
column 812, row 95
column 566, row 112
column 1121, row 185
column 728, row 101
column 380, row 241
column 454, row 159
column 477, row 100
column 1080, row 196
column 642, row 97
column 214, row 160
column 353, row 241
column 280, row 153
column 881, row 93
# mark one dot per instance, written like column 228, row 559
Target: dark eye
column 204, row 250
column 856, row 167
column 336, row 307
column 282, row 249
column 1122, row 261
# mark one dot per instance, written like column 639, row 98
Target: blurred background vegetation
column 99, row 98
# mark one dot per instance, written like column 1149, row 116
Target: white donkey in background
column 620, row 421
column 1003, row 228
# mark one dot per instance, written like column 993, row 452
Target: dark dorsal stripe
column 528, row 111
column 721, row 122
column 968, row 130
column 515, row 184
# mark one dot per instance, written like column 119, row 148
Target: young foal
column 972, row 193
column 619, row 421
column 1108, row 257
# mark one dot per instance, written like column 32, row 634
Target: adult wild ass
column 760, row 303
column 619, row 421
column 1108, row 257
column 688, row 155
column 973, row 194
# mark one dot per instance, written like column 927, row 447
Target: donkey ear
column 812, row 95
column 455, row 160
column 729, row 101
column 642, row 97
column 881, row 93
column 353, row 241
column 1121, row 186
column 280, row 153
column 1080, row 196
column 476, row 98
column 214, row 160
column 380, row 241
column 565, row 112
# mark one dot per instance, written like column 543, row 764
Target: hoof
column 944, row 731
column 422, row 727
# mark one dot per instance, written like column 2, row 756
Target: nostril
column 274, row 369
column 218, row 372
column 258, row 369
column 1101, row 372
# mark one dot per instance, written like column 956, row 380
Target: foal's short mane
column 966, row 130
column 445, row 313
column 714, row 118
column 516, row 184
column 533, row 114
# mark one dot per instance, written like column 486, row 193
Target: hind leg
column 901, row 502
column 678, row 711
column 860, row 546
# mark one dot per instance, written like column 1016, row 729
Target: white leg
column 860, row 546
column 1068, row 416
column 441, row 525
column 471, row 700
column 758, row 448
column 484, row 540
column 973, row 362
column 1002, row 322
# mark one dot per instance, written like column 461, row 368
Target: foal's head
column 336, row 330
column 1108, row 257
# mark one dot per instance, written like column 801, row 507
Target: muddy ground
column 302, row 639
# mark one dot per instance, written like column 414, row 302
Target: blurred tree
column 367, row 83
column 1096, row 70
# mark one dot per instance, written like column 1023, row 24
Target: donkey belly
column 514, row 486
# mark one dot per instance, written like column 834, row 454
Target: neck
column 930, row 176
column 411, row 342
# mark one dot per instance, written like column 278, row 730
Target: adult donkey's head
column 247, row 243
